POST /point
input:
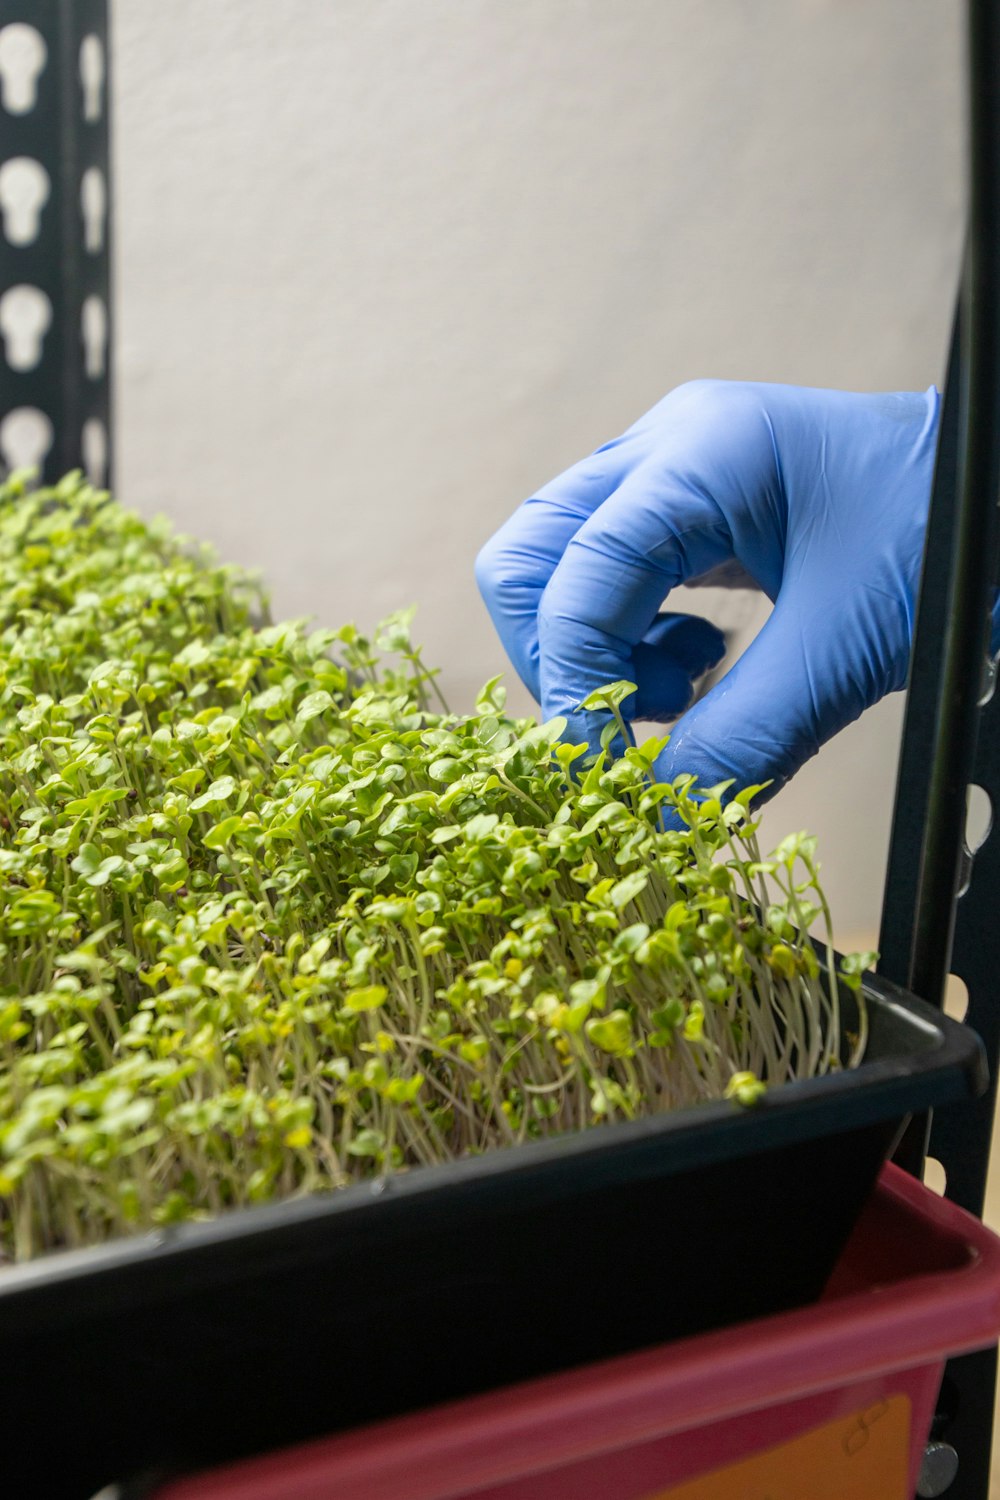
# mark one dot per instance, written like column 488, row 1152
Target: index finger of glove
column 515, row 565
column 657, row 530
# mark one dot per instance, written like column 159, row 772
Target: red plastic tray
column 837, row 1397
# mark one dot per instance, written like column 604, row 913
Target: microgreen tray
column 271, row 1325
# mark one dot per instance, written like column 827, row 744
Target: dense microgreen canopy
column 274, row 920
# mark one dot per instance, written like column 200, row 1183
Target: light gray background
column 385, row 266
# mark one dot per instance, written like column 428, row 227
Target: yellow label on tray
column 865, row 1456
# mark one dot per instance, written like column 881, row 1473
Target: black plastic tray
column 271, row 1325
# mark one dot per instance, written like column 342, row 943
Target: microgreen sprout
column 274, row 920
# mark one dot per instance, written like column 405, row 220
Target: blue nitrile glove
column 821, row 496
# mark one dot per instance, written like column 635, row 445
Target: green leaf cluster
column 272, row 919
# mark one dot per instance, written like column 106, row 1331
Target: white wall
column 385, row 266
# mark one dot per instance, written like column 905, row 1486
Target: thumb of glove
column 675, row 651
column 803, row 678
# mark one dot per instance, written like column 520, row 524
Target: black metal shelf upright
column 55, row 240
column 939, row 914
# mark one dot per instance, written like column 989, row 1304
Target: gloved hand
column 821, row 496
